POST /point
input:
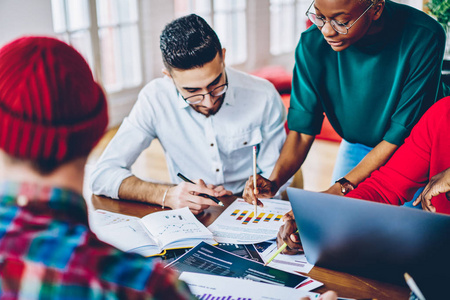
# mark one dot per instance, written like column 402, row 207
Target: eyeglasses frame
column 333, row 20
column 204, row 95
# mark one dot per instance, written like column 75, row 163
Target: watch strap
column 346, row 185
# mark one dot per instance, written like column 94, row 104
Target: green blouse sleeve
column 305, row 111
column 419, row 89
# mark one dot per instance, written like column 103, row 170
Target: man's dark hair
column 188, row 42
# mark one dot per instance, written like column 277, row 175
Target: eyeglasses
column 218, row 91
column 337, row 26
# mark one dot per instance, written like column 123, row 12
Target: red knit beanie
column 51, row 109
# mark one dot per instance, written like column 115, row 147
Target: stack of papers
column 207, row 259
column 237, row 226
column 205, row 286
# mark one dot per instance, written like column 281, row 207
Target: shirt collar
column 30, row 195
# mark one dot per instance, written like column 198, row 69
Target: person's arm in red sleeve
column 406, row 171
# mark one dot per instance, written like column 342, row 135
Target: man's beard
column 210, row 112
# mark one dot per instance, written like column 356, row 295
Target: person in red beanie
column 52, row 113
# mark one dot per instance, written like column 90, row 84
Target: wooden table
column 346, row 285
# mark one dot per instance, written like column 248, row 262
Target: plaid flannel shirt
column 47, row 251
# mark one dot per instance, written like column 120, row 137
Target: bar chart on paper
column 212, row 297
column 238, row 223
column 212, row 287
column 246, row 217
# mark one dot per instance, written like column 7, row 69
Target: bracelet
column 164, row 197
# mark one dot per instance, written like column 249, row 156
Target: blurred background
column 120, row 41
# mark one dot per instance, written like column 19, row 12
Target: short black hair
column 188, row 42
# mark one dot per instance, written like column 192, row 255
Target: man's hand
column 220, row 191
column 264, row 189
column 287, row 235
column 439, row 183
column 187, row 194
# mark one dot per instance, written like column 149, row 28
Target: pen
column 413, row 286
column 278, row 252
column 254, row 179
column 201, row 195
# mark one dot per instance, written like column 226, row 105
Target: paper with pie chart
column 238, row 224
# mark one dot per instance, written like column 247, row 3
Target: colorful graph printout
column 250, row 216
column 218, row 288
column 242, row 215
column 214, row 297
column 258, row 218
column 269, row 216
column 239, row 225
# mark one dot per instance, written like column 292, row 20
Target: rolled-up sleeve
column 420, row 88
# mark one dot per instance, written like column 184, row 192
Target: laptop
column 372, row 239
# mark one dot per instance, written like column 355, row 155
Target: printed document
column 239, row 225
column 205, row 287
column 207, row 259
column 288, row 263
column 152, row 234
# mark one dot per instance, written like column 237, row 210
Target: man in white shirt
column 207, row 118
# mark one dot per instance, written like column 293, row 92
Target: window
column 106, row 33
column 228, row 18
column 287, row 21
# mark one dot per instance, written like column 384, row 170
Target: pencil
column 413, row 286
column 254, row 179
column 278, row 252
column 201, row 195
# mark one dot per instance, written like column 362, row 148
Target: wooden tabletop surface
column 346, row 285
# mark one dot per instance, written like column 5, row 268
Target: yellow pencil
column 254, row 178
column 278, row 252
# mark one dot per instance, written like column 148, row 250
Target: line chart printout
column 173, row 225
column 152, row 234
column 238, row 224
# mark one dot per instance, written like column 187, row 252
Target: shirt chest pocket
column 241, row 143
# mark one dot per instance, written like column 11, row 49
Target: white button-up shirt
column 217, row 149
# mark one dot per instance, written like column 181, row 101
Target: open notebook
column 152, row 234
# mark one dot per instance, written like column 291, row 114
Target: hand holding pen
column 221, row 191
column 192, row 195
column 288, row 234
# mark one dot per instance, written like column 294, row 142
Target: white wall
column 24, row 17
column 34, row 17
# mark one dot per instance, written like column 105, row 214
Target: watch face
column 346, row 187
